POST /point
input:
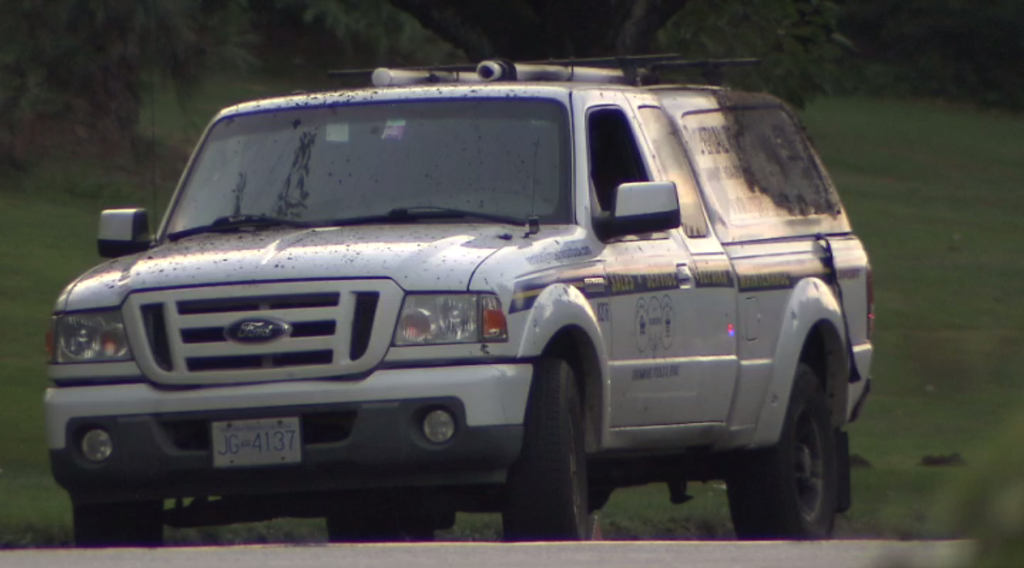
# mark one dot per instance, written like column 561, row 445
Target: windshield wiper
column 429, row 212
column 232, row 222
column 360, row 220
column 413, row 214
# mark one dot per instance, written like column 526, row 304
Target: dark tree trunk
column 9, row 115
column 114, row 92
column 101, row 78
column 542, row 29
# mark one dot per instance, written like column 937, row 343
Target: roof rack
column 628, row 70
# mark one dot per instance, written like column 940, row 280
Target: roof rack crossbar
column 705, row 63
column 635, row 69
column 454, row 68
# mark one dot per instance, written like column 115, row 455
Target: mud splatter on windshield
column 326, row 164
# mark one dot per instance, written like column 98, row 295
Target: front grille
column 281, row 306
column 299, row 329
column 203, row 335
column 362, row 323
column 336, row 329
column 256, row 303
column 156, row 334
column 314, row 329
column 269, row 361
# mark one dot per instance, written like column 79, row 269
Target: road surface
column 831, row 554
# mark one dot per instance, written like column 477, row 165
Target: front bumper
column 355, row 435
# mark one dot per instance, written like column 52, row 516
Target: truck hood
column 419, row 257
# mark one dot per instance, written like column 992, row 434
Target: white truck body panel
column 695, row 336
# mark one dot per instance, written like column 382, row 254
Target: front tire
column 789, row 491
column 101, row 525
column 546, row 491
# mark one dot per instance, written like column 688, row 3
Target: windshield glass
column 328, row 164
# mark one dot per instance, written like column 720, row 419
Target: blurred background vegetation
column 88, row 63
column 914, row 104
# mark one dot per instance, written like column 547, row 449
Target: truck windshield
column 322, row 165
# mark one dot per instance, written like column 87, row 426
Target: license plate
column 268, row 441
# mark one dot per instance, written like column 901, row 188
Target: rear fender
column 811, row 303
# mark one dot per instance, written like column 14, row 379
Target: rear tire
column 546, row 491
column 118, row 524
column 789, row 491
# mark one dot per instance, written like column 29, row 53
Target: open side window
column 614, row 156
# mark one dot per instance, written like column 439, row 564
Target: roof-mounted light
column 499, row 70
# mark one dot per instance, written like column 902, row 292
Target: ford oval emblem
column 256, row 330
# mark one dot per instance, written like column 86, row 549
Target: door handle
column 683, row 275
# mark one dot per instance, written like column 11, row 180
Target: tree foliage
column 20, row 71
column 950, row 49
column 540, row 29
column 84, row 62
column 335, row 33
column 797, row 41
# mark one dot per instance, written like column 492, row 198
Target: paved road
column 835, row 554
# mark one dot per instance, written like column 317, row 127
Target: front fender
column 811, row 302
column 557, row 307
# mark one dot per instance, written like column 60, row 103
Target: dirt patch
column 943, row 460
column 859, row 461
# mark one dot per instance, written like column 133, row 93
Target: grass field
column 935, row 192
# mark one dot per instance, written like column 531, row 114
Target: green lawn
column 935, row 192
column 936, row 195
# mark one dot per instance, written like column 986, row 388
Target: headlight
column 450, row 318
column 91, row 337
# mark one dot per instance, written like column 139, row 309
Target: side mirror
column 123, row 231
column 644, row 207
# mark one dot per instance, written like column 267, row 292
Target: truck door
column 658, row 376
column 707, row 319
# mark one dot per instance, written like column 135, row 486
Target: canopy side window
column 668, row 151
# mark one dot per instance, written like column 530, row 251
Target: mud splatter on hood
column 420, row 257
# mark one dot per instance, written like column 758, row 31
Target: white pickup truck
column 514, row 290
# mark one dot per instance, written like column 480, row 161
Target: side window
column 668, row 150
column 712, row 149
column 758, row 175
column 614, row 156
